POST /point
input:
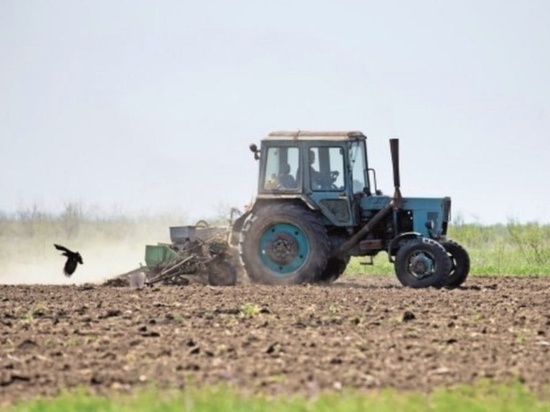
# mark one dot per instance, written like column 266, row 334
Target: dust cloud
column 107, row 252
column 101, row 262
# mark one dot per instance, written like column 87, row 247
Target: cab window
column 326, row 168
column 280, row 169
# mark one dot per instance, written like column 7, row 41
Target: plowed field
column 361, row 332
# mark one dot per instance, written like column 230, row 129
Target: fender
column 399, row 238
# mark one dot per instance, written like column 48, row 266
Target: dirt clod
column 408, row 316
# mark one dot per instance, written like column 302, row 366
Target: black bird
column 73, row 259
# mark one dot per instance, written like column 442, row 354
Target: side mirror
column 254, row 149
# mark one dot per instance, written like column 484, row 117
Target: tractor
column 318, row 205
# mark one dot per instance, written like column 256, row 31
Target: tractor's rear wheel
column 460, row 267
column 421, row 263
column 283, row 244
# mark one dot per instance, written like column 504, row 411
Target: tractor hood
column 428, row 216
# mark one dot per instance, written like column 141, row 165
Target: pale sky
column 149, row 106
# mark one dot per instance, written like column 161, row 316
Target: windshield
column 358, row 166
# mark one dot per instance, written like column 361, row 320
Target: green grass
column 485, row 397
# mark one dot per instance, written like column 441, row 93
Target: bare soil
column 361, row 332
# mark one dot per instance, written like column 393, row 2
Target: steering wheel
column 326, row 180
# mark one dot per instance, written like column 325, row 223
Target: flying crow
column 73, row 259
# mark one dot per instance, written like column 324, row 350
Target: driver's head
column 311, row 157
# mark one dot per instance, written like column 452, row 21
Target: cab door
column 327, row 182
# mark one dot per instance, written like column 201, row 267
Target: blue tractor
column 318, row 205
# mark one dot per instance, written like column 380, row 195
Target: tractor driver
column 286, row 180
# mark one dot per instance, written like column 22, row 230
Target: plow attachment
column 197, row 253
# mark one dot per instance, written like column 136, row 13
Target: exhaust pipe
column 397, row 198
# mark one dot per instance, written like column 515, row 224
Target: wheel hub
column 283, row 249
column 421, row 266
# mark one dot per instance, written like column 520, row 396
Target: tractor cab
column 326, row 170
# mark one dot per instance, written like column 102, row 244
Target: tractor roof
column 308, row 135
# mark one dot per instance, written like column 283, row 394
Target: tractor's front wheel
column 421, row 263
column 283, row 244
